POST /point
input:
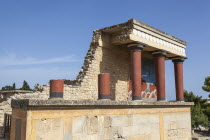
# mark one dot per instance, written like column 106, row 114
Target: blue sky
column 48, row 39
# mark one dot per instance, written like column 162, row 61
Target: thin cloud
column 13, row 60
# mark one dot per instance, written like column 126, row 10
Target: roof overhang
column 134, row 30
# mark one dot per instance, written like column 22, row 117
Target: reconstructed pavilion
column 118, row 94
column 153, row 47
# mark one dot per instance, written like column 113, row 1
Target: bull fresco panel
column 148, row 79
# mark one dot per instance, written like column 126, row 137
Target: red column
column 104, row 86
column 178, row 73
column 135, row 72
column 56, row 88
column 160, row 75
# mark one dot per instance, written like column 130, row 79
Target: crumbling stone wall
column 113, row 60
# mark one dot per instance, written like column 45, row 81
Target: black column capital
column 161, row 54
column 136, row 46
column 178, row 60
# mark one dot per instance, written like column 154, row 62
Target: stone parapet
column 84, row 104
column 100, row 120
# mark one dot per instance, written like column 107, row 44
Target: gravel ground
column 201, row 135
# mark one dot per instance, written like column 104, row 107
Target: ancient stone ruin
column 118, row 94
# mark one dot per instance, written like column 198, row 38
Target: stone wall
column 5, row 107
column 103, row 124
column 5, row 104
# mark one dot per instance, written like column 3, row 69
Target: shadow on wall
column 1, row 131
column 115, row 60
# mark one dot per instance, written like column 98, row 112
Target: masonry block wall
column 103, row 124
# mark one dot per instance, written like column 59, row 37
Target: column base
column 100, row 96
column 180, row 99
column 161, row 99
column 136, row 98
column 56, row 94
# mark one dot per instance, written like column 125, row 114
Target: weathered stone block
column 92, row 125
column 117, row 133
column 172, row 125
column 67, row 129
column 177, row 125
column 107, row 121
column 52, row 128
column 100, row 126
column 78, row 126
column 173, row 134
column 112, row 133
column 124, row 120
column 131, row 131
column 142, row 119
column 107, row 132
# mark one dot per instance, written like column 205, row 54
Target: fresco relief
column 148, row 79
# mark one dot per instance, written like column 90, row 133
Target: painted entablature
column 134, row 30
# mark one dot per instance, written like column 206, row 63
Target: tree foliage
column 8, row 87
column 13, row 86
column 25, row 86
column 198, row 117
column 190, row 97
column 206, row 86
column 207, row 111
